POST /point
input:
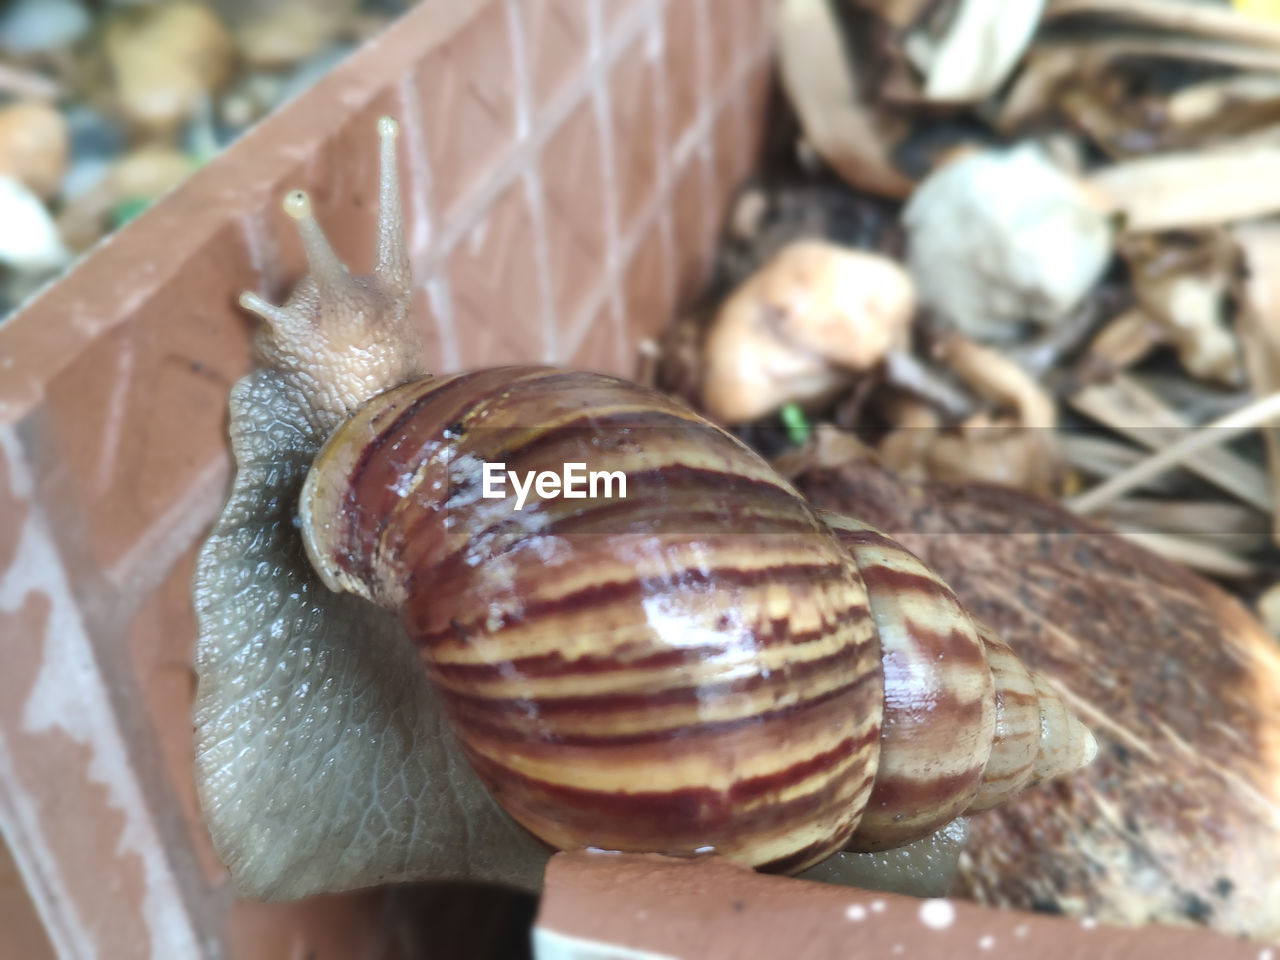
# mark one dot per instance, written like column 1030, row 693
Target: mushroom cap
column 799, row 327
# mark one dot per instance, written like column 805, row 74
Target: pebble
column 108, row 197
column 84, row 174
column 93, row 133
column 1000, row 237
column 29, row 240
column 148, row 173
column 33, row 146
column 40, row 26
column 284, row 32
column 166, row 60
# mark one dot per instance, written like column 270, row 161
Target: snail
column 404, row 672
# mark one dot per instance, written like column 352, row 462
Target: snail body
column 705, row 664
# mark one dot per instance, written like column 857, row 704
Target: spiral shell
column 966, row 725
column 696, row 666
column 691, row 668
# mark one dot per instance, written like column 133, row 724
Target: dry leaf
column 1189, row 190
column 982, row 44
column 992, row 375
column 1259, row 328
column 897, row 13
column 820, row 82
column 1197, row 19
column 1125, row 406
column 1178, row 820
column 1182, row 281
column 1122, row 342
column 1269, row 609
column 999, row 451
column 1229, row 105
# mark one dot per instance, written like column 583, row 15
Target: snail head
column 342, row 338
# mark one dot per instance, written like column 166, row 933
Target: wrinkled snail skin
column 703, row 665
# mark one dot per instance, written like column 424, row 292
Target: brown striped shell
column 965, row 725
column 697, row 666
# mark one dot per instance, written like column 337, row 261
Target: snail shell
column 703, row 665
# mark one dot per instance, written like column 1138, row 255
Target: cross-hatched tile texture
column 566, row 166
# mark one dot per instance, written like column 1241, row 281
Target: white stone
column 36, row 26
column 29, row 240
column 1000, row 237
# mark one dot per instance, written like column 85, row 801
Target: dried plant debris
column 1181, row 282
column 1259, row 331
column 974, row 53
column 1087, row 188
column 849, row 133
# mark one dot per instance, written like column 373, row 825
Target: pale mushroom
column 800, row 327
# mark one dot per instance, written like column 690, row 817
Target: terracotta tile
column 555, row 44
column 135, row 420
column 467, row 91
column 645, row 288
column 125, row 372
column 321, row 928
column 161, row 646
column 636, row 138
column 756, row 91
column 436, row 351
column 78, row 817
column 13, row 514
column 493, row 276
column 604, row 347
column 615, row 12
column 22, row 935
column 598, row 905
column 572, row 165
column 724, row 26
column 693, row 230
column 732, row 156
column 682, row 44
column 756, row 28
